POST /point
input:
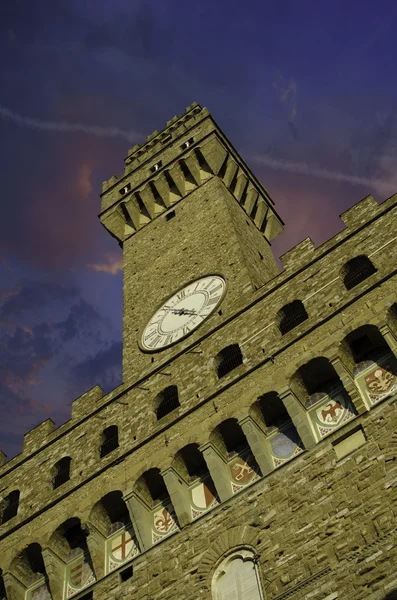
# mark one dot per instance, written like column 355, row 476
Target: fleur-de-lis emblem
column 163, row 522
column 379, row 381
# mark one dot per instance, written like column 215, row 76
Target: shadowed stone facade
column 256, row 457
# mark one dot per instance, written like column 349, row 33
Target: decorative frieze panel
column 329, row 410
column 203, row 497
column 376, row 378
column 164, row 522
column 79, row 573
column 121, row 546
column 285, row 444
column 244, row 471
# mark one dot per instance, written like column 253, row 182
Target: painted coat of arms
column 164, row 522
column 285, row 445
column 332, row 413
column 380, row 383
column 204, row 497
column 244, row 471
column 79, row 575
column 121, row 547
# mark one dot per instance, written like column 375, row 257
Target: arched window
column 61, row 471
column 228, row 359
column 110, row 440
column 357, row 270
column 167, row 401
column 10, row 506
column 237, row 578
column 291, row 315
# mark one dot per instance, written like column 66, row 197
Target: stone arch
column 28, row 562
column 244, row 536
column 189, row 463
column 109, row 510
column 371, row 362
column 228, row 359
column 290, row 316
column 167, row 401
column 236, row 574
column 318, row 387
column 356, row 270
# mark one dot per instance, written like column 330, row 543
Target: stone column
column 179, row 495
column 299, row 416
column 349, row 385
column 218, row 469
column 257, row 442
column 140, row 518
column 96, row 546
column 55, row 569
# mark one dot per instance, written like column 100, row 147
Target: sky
column 306, row 92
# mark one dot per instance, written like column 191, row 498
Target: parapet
column 37, row 437
column 157, row 140
column 360, row 213
column 299, row 255
column 86, row 403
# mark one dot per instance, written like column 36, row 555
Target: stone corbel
column 140, row 518
column 389, row 337
column 179, row 494
column 96, row 542
column 14, row 588
column 299, row 416
column 55, row 569
column 218, row 470
column 256, row 439
column 349, row 385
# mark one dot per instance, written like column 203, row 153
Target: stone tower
column 187, row 206
column 250, row 452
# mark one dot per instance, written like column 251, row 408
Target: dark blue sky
column 306, row 91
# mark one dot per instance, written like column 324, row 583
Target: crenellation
column 361, row 212
column 37, row 437
column 86, row 403
column 299, row 255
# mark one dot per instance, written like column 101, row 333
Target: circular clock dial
column 183, row 312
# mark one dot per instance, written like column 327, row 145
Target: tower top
column 171, row 164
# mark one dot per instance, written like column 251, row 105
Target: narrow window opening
column 357, row 270
column 170, row 215
column 187, row 144
column 62, row 471
column 228, row 359
column 126, row 573
column 167, row 401
column 124, row 190
column 291, row 315
column 156, row 167
column 110, row 440
column 11, row 504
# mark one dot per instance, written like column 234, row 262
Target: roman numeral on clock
column 168, row 339
column 155, row 341
column 218, row 287
column 180, row 296
column 211, row 301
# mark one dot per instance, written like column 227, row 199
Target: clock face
column 183, row 312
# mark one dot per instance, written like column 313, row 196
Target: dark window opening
column 155, row 485
column 228, row 359
column 126, row 573
column 357, row 270
column 273, row 411
column 156, row 167
column 194, row 461
column 233, row 436
column 187, row 144
column 167, row 401
column 11, row 504
column 110, row 440
column 62, row 471
column 124, row 190
column 291, row 315
column 361, row 348
column 170, row 215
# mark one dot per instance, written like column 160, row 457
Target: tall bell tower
column 186, row 208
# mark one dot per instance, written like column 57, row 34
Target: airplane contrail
column 323, row 173
column 65, row 127
column 267, row 161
